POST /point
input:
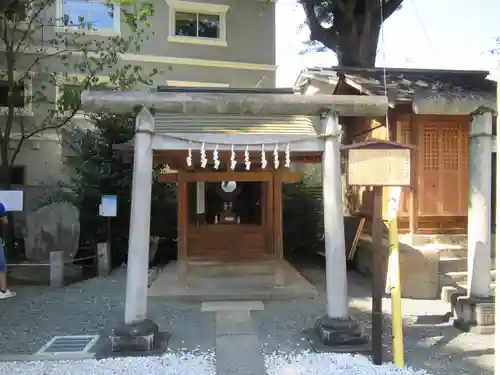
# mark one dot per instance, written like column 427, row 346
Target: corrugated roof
column 402, row 83
column 228, row 90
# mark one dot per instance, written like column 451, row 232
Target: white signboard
column 12, row 199
column 108, row 206
column 379, row 167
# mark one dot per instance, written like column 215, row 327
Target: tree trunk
column 4, row 165
column 5, row 184
column 358, row 50
column 355, row 28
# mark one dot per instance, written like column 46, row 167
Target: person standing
column 4, row 292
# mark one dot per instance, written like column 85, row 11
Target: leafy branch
column 48, row 64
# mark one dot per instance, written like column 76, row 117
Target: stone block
column 160, row 346
column 476, row 315
column 450, row 293
column 103, row 259
column 56, row 269
column 138, row 336
column 337, row 336
column 333, row 331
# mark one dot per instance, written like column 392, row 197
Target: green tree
column 59, row 65
column 303, row 213
column 350, row 28
column 97, row 168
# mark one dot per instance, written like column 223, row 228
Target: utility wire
column 382, row 48
column 424, row 29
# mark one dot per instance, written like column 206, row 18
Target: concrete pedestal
column 339, row 331
column 474, row 314
column 132, row 337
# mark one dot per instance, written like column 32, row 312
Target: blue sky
column 441, row 34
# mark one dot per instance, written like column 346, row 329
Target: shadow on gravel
column 431, row 342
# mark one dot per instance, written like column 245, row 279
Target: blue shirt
column 3, row 211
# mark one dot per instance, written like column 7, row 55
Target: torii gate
column 138, row 331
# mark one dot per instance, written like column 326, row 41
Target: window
column 195, row 84
column 17, row 92
column 96, row 15
column 21, row 94
column 17, row 175
column 197, row 23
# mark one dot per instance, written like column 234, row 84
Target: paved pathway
column 237, row 344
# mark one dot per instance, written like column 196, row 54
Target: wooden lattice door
column 442, row 167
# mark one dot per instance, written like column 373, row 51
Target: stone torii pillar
column 474, row 311
column 138, row 332
column 336, row 328
column 479, row 229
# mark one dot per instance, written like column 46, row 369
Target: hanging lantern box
column 379, row 163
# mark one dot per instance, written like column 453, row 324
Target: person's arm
column 3, row 214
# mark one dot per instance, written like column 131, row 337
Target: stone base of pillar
column 475, row 315
column 135, row 337
column 182, row 274
column 338, row 335
column 200, row 219
column 279, row 275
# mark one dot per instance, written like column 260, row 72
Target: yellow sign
column 379, row 167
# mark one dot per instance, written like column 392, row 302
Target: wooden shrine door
column 442, row 173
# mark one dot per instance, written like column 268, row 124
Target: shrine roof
column 402, row 84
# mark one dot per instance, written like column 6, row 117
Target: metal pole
column 397, row 318
column 377, row 276
column 108, row 234
column 497, row 225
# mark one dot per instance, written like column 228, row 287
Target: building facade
column 211, row 43
column 446, row 215
column 437, row 201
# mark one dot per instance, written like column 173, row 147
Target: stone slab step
column 463, row 286
column 448, row 292
column 452, row 264
column 453, row 251
column 423, row 239
column 453, row 278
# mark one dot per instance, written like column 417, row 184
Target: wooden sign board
column 379, row 167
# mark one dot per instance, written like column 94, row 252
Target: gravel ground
column 328, row 364
column 170, row 364
column 430, row 343
column 96, row 306
column 92, row 307
column 204, row 364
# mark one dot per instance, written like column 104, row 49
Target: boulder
column 419, row 274
column 55, row 227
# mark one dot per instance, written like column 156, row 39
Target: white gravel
column 169, row 364
column 203, row 363
column 328, row 364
